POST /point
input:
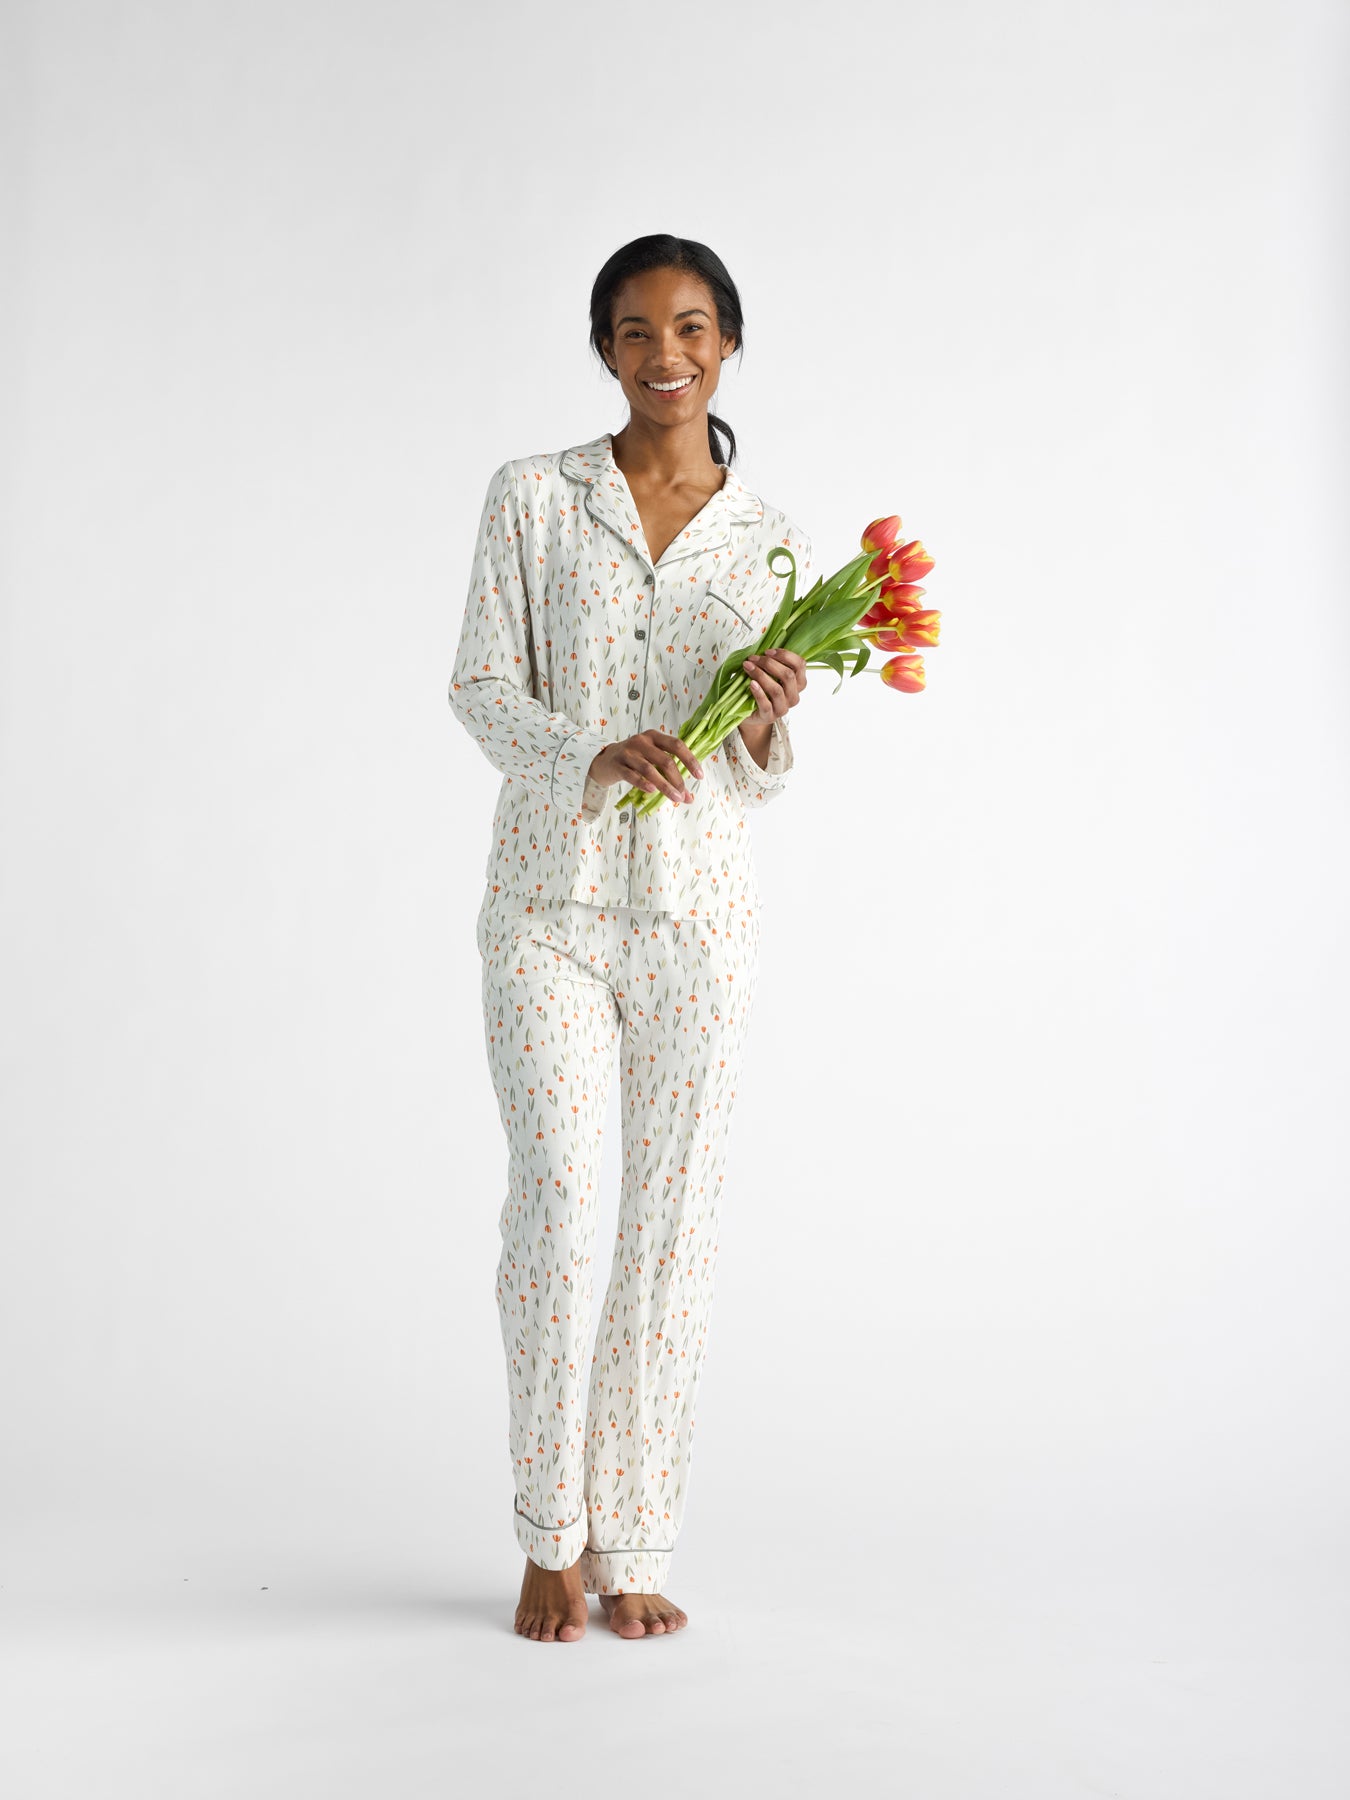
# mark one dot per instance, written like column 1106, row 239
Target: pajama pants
column 601, row 1439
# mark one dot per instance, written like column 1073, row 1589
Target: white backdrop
column 1022, row 1464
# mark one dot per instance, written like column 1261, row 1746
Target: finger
column 655, row 780
column 779, row 680
column 785, row 665
column 667, row 741
column 664, row 761
column 767, row 669
column 763, row 704
column 774, row 689
column 675, row 774
column 688, row 758
column 633, row 766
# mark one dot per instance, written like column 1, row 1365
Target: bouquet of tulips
column 872, row 602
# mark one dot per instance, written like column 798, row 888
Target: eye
column 634, row 332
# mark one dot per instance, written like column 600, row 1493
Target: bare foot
column 637, row 1615
column 552, row 1604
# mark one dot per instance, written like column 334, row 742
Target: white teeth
column 668, row 387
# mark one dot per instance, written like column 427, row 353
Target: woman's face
column 665, row 329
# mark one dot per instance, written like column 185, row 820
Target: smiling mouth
column 677, row 387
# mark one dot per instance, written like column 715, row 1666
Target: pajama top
column 574, row 638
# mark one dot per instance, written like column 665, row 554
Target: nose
column 669, row 354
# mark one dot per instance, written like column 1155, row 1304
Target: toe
column 569, row 1633
column 630, row 1628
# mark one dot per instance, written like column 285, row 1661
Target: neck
column 666, row 455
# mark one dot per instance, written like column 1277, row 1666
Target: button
column 634, row 693
column 642, row 631
column 623, row 816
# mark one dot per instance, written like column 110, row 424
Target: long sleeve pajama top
column 574, row 638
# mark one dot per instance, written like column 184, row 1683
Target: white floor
column 959, row 1675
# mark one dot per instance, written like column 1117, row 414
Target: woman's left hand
column 777, row 680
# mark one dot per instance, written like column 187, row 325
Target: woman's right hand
column 647, row 761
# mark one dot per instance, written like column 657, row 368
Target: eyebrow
column 637, row 319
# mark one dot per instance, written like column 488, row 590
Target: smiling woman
column 665, row 315
column 610, row 582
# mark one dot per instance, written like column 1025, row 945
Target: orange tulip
column 886, row 613
column 882, row 534
column 899, row 596
column 904, row 673
column 911, row 562
column 910, row 628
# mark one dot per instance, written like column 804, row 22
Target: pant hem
column 624, row 1571
column 551, row 1549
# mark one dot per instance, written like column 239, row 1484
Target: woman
column 609, row 581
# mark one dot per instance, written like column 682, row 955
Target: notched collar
column 609, row 502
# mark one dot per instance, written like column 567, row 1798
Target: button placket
column 640, row 631
column 634, row 693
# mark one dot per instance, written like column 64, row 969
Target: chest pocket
column 698, row 639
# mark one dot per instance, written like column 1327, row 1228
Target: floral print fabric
column 574, row 638
column 602, row 1440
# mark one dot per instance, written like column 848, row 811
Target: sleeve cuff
column 594, row 799
column 780, row 749
column 765, row 782
column 570, row 787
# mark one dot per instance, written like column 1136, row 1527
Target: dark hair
column 660, row 250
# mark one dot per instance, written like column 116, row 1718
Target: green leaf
column 790, row 592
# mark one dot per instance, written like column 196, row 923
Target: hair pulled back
column 659, row 250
